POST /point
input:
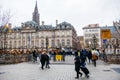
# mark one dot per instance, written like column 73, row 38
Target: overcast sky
column 77, row 12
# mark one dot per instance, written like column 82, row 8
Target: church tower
column 36, row 14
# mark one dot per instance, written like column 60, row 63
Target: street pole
column 47, row 43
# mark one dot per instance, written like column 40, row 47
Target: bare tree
column 5, row 17
column 117, row 27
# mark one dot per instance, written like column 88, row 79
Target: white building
column 90, row 31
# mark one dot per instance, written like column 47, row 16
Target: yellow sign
column 58, row 57
column 105, row 34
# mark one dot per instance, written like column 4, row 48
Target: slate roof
column 63, row 25
column 112, row 28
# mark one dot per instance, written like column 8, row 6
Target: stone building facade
column 32, row 35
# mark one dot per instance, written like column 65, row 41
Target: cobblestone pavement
column 33, row 71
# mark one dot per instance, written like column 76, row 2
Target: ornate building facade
column 32, row 35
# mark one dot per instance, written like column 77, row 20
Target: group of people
column 80, row 61
column 43, row 57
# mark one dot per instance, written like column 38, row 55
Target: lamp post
column 47, row 43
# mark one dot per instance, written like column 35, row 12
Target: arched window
column 15, row 44
column 10, row 44
column 53, row 43
column 68, row 42
column 63, row 42
column 42, row 43
column 19, row 43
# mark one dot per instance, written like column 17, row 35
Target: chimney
column 56, row 22
column 42, row 22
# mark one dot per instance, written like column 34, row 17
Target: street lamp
column 47, row 43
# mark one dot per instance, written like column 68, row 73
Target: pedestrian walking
column 63, row 55
column 47, row 62
column 83, row 55
column 77, row 65
column 34, row 56
column 54, row 56
column 84, row 69
column 89, row 55
column 94, row 57
column 42, row 60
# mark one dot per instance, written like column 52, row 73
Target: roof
column 64, row 25
column 112, row 28
column 31, row 24
column 91, row 26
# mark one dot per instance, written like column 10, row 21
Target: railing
column 113, row 58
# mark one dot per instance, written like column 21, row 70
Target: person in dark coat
column 77, row 65
column 89, row 55
column 34, row 55
column 42, row 60
column 54, row 56
column 83, row 55
column 84, row 68
column 47, row 60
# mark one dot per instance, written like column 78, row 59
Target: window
column 53, row 43
column 42, row 43
column 19, row 43
column 58, row 42
column 32, row 35
column 19, row 36
column 42, row 34
column 63, row 42
column 14, row 35
column 10, row 44
column 58, row 34
column 23, row 43
column 68, row 42
column 37, row 35
column 23, row 35
column 37, row 43
column 47, row 34
column 68, row 33
column 53, row 34
column 32, row 43
column 63, row 33
column 15, row 44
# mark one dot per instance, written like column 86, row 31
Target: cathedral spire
column 36, row 8
column 36, row 14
